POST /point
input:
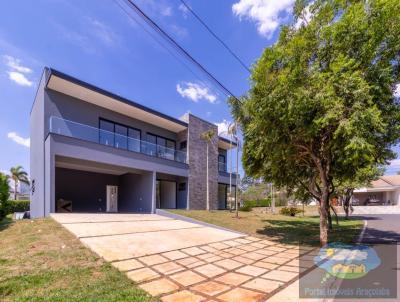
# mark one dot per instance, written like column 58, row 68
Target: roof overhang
column 381, row 189
column 68, row 85
column 226, row 144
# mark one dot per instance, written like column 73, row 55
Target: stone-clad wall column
column 197, row 159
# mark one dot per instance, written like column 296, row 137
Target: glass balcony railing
column 96, row 135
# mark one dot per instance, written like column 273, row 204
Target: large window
column 222, row 163
column 119, row 136
column 161, row 146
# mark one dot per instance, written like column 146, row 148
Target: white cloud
column 184, row 10
column 397, row 91
column 223, row 128
column 267, row 14
column 166, row 11
column 15, row 64
column 185, row 117
column 16, row 72
column 19, row 140
column 195, row 92
column 103, row 32
column 19, row 78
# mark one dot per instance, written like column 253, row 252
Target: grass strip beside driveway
column 301, row 229
column 41, row 261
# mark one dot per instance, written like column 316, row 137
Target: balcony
column 223, row 169
column 99, row 136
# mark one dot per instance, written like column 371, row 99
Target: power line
column 179, row 48
column 160, row 43
column 215, row 36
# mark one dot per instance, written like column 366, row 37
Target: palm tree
column 17, row 174
column 207, row 136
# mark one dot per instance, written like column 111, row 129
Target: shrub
column 18, row 206
column 290, row 211
column 266, row 202
column 4, row 192
column 245, row 208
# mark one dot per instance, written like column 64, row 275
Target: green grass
column 301, row 229
column 41, row 261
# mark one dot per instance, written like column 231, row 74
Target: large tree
column 321, row 106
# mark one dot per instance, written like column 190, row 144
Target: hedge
column 11, row 206
column 258, row 203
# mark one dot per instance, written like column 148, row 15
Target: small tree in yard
column 207, row 136
column 18, row 175
column 321, row 107
column 4, row 194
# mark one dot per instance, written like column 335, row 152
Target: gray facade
column 74, row 159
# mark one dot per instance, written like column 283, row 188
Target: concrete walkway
column 179, row 260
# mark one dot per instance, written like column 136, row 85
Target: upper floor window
column 161, row 146
column 119, row 136
column 221, row 162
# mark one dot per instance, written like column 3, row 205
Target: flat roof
column 66, row 84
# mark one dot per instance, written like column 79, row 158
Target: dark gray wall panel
column 86, row 190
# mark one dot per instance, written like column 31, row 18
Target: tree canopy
column 321, row 108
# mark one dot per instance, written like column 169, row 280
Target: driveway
column 179, row 260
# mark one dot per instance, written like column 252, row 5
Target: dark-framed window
column 221, row 162
column 119, row 135
column 161, row 146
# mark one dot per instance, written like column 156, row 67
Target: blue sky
column 97, row 42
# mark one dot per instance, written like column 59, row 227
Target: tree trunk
column 208, row 189
column 15, row 190
column 324, row 214
column 330, row 226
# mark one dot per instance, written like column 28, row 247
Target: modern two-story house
column 94, row 151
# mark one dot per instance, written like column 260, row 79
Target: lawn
column 41, row 261
column 284, row 229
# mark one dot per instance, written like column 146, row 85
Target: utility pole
column 237, row 177
column 272, row 198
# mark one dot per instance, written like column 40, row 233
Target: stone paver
column 142, row 274
column 209, row 270
column 251, row 270
column 182, row 261
column 158, row 287
column 233, row 278
column 153, row 259
column 263, row 285
column 183, row 296
column 211, row 288
column 174, row 255
column 241, row 295
column 228, row 264
column 280, row 275
column 187, row 278
column 127, row 265
column 168, row 268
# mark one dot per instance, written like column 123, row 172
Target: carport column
column 153, row 192
column 49, row 179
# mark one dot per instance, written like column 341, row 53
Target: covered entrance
column 171, row 191
column 91, row 187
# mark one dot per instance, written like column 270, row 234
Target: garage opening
column 92, row 188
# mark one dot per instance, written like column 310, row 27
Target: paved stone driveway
column 182, row 261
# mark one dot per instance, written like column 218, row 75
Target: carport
column 91, row 187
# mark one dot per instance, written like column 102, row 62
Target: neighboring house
column 384, row 191
column 94, row 151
